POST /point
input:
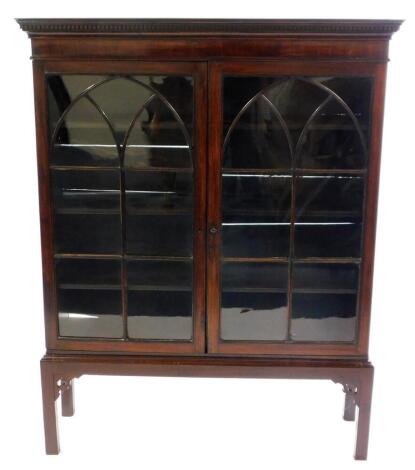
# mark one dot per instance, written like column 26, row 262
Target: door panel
column 127, row 160
column 289, row 159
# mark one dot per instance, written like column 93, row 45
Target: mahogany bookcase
column 208, row 193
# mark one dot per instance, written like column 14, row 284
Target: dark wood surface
column 207, row 49
column 59, row 370
column 212, row 26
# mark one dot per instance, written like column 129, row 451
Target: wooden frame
column 217, row 70
column 207, row 49
column 58, row 373
column 53, row 340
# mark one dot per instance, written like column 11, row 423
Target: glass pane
column 157, row 138
column 160, row 315
column 87, row 233
column 356, row 92
column 89, row 298
column 155, row 192
column 255, row 236
column 160, row 275
column 251, row 277
column 95, row 313
column 256, row 219
column 325, row 277
column 95, row 191
column 254, row 301
column 88, row 273
column 159, row 213
column 323, row 317
column 83, row 137
column 328, row 216
column 332, row 140
column 324, row 302
column 253, row 316
column 257, row 140
column 160, row 299
column 144, row 123
column 248, row 194
column 328, row 122
column 295, row 99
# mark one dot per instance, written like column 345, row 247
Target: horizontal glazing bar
column 89, row 286
column 327, row 260
column 157, row 258
column 156, row 288
column 256, row 172
column 255, row 260
column 254, row 290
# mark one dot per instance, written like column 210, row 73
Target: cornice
column 35, row 26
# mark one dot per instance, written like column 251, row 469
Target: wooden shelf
column 294, row 260
column 155, row 169
column 288, row 172
column 75, row 211
column 131, row 287
column 178, row 288
column 120, row 257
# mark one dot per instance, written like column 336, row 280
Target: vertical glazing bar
column 124, row 283
column 123, row 215
column 292, row 212
column 291, row 253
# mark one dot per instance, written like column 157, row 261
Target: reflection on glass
column 163, row 192
column 356, row 92
column 328, row 216
column 83, row 136
column 258, row 140
column 324, row 302
column 89, row 117
column 323, row 317
column 89, row 298
column 254, row 301
column 296, row 99
column 160, row 315
column 256, row 193
column 251, row 316
column 86, row 191
column 255, row 236
column 92, row 314
column 331, row 140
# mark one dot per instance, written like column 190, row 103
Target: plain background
column 158, row 423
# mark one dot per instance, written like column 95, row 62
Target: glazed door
column 289, row 148
column 126, row 167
